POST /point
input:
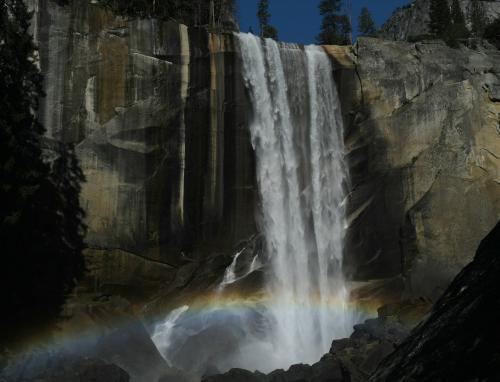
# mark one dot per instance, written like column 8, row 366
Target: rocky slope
column 460, row 339
column 412, row 20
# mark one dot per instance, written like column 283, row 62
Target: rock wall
column 159, row 115
column 156, row 111
column 424, row 146
column 412, row 20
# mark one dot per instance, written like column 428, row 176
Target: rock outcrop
column 424, row 149
column 459, row 341
column 411, row 21
column 59, row 368
column 159, row 114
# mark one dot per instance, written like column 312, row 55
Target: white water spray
column 164, row 331
column 301, row 175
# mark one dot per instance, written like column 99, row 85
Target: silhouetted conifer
column 440, row 17
column 41, row 229
column 266, row 30
column 477, row 18
column 335, row 27
column 366, row 25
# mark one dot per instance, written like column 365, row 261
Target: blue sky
column 299, row 20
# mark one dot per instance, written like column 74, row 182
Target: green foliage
column 366, row 25
column 440, row 17
column 335, row 27
column 477, row 18
column 266, row 30
column 270, row 32
column 41, row 229
column 263, row 13
column 447, row 23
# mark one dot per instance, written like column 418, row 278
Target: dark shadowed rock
column 373, row 340
column 460, row 340
column 50, row 367
column 236, row 375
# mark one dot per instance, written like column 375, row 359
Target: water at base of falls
column 297, row 135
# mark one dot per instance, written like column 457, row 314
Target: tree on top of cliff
column 457, row 16
column 335, row 27
column 266, row 29
column 366, row 24
column 492, row 32
column 440, row 17
column 41, row 229
column 189, row 12
column 477, row 18
column 457, row 29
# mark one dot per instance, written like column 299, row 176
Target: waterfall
column 297, row 134
column 298, row 142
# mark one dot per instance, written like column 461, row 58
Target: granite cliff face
column 159, row 116
column 412, row 20
column 424, row 148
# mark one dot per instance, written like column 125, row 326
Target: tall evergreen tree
column 457, row 16
column 492, row 32
column 41, row 229
column 457, row 29
column 440, row 17
column 477, row 18
column 335, row 27
column 266, row 30
column 366, row 25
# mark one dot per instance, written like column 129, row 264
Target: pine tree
column 477, row 18
column 41, row 229
column 440, row 17
column 366, row 24
column 335, row 28
column 457, row 16
column 266, row 30
column 492, row 32
column 457, row 29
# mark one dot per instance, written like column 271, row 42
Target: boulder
column 459, row 339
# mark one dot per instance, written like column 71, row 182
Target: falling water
column 297, row 134
column 300, row 173
column 163, row 335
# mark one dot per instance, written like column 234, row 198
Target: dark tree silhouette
column 41, row 229
column 457, row 29
column 266, row 29
column 190, row 12
column 477, row 18
column 440, row 17
column 366, row 25
column 335, row 27
column 492, row 32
